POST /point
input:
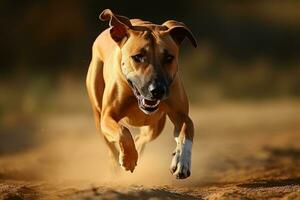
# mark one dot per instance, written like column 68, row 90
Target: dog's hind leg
column 114, row 156
column 149, row 133
column 113, row 151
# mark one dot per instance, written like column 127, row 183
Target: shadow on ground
column 271, row 183
column 136, row 193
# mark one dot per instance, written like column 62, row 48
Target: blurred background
column 244, row 73
column 247, row 49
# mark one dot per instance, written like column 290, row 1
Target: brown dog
column 133, row 80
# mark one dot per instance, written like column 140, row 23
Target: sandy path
column 244, row 151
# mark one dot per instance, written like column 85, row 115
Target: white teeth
column 143, row 101
column 150, row 106
column 156, row 103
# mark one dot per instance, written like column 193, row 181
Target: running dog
column 133, row 80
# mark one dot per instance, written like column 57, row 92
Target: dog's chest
column 137, row 118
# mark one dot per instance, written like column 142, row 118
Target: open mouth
column 146, row 105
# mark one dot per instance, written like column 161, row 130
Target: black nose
column 157, row 90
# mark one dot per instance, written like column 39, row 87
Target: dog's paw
column 128, row 160
column 181, row 162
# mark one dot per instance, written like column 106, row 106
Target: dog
column 133, row 80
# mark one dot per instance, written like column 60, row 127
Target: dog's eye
column 139, row 58
column 168, row 59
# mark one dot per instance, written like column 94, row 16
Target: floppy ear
column 119, row 25
column 179, row 31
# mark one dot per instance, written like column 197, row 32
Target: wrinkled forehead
column 164, row 42
column 145, row 41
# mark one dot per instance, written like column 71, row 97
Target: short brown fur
column 114, row 105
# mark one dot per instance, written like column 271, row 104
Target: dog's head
column 149, row 55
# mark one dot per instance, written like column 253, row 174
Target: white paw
column 181, row 162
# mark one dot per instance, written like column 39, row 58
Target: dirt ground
column 241, row 151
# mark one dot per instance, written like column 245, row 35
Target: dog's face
column 149, row 63
column 148, row 56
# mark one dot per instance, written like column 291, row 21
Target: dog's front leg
column 116, row 133
column 183, row 133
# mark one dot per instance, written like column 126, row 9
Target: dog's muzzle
column 148, row 104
